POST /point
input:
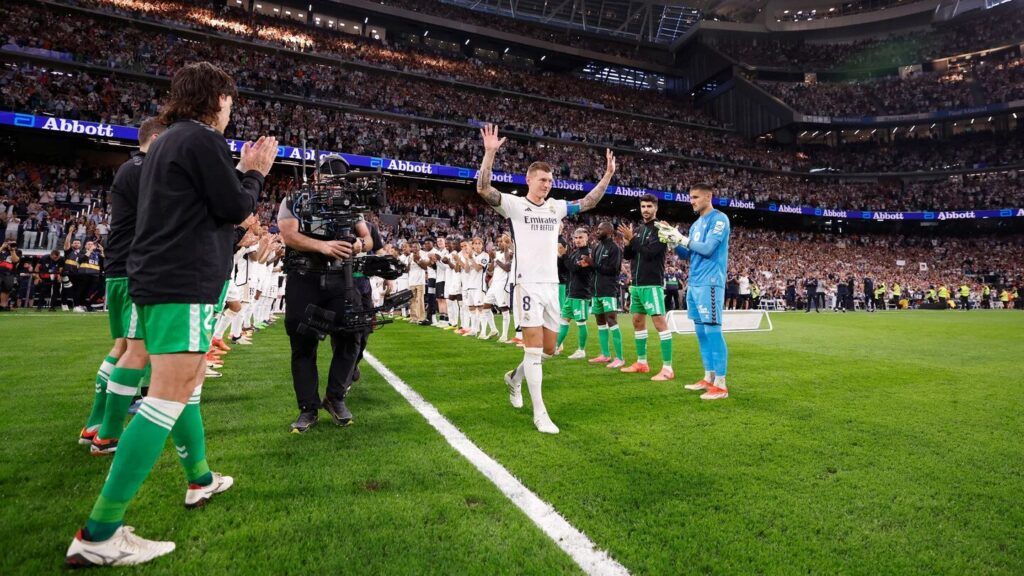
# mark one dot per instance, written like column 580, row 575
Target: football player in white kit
column 535, row 223
column 438, row 256
column 453, row 285
column 498, row 293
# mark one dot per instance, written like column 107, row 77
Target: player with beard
column 646, row 291
column 535, row 222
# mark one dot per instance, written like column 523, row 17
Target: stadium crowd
column 999, row 81
column 393, row 54
column 776, row 262
column 989, row 29
column 136, row 49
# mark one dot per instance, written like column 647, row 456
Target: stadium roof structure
column 632, row 20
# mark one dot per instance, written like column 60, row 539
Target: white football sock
column 504, row 325
column 223, row 322
column 720, row 382
column 453, row 313
column 534, row 378
column 709, row 376
column 490, row 321
column 239, row 321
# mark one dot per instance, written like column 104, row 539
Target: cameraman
column 311, row 283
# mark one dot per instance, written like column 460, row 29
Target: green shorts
column 604, row 305
column 649, row 300
column 577, row 309
column 173, row 328
column 119, row 306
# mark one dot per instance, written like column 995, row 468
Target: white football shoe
column 543, row 423
column 577, row 355
column 197, row 495
column 124, row 548
column 515, row 390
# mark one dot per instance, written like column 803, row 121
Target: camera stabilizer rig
column 329, row 209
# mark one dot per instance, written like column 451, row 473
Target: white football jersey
column 535, row 233
column 417, row 275
column 476, row 277
column 464, row 273
column 500, row 278
column 442, row 268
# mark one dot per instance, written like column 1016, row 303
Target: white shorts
column 497, row 296
column 474, row 297
column 538, row 305
column 244, row 294
column 453, row 287
column 234, row 294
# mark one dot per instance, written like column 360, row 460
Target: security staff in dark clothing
column 72, row 254
column 49, row 270
column 811, row 292
column 90, row 267
column 869, row 294
column 848, row 303
column 311, row 283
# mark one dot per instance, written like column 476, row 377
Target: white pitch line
column 576, row 544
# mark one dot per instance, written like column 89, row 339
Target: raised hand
column 609, row 167
column 490, row 135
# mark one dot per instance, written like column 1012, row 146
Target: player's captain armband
column 572, row 207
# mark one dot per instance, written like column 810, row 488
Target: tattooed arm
column 489, row 193
column 594, row 196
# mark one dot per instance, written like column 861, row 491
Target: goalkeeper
column 707, row 249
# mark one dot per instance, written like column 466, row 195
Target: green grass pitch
column 888, row 443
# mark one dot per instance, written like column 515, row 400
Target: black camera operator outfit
column 312, row 283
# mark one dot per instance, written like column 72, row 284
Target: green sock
column 602, row 337
column 563, row 331
column 144, row 382
column 666, row 349
column 137, row 452
column 121, row 389
column 641, row 345
column 190, row 442
column 584, row 332
column 99, row 400
column 617, row 340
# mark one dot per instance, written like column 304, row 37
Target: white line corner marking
column 583, row 551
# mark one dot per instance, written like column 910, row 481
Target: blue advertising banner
column 425, row 169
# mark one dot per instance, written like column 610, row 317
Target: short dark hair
column 649, row 198
column 150, row 127
column 195, row 93
column 542, row 166
column 703, row 188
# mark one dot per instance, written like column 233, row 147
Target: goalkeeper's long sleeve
column 682, row 252
column 706, row 248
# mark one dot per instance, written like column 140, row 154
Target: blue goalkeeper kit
column 708, row 253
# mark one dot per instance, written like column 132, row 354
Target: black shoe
column 306, row 420
column 338, row 411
